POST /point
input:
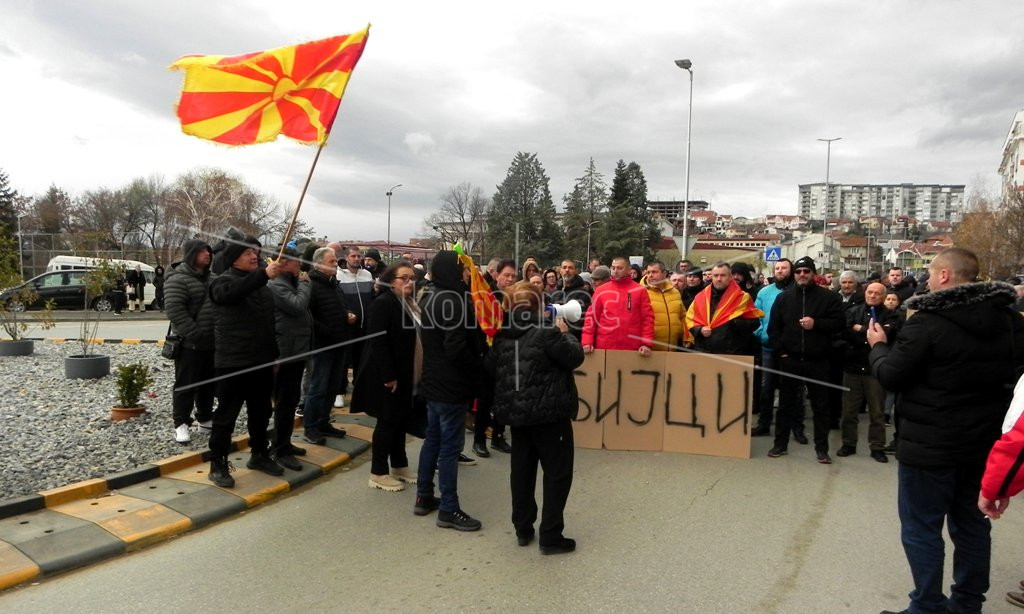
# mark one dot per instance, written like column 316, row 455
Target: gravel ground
column 57, row 431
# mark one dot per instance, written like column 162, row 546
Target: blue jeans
column 441, row 449
column 328, row 371
column 927, row 497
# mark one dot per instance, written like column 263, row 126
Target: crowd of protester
column 281, row 335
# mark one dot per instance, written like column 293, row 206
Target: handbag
column 172, row 345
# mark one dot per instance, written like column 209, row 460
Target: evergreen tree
column 524, row 197
column 8, row 205
column 629, row 228
column 583, row 212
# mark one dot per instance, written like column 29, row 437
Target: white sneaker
column 206, row 425
column 339, row 401
column 181, row 434
column 386, row 482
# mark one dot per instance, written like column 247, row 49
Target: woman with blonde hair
column 533, row 359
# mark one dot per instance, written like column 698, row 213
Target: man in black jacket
column 294, row 325
column 571, row 287
column 330, row 328
column 244, row 354
column 803, row 321
column 453, row 349
column 864, row 390
column 191, row 315
column 954, row 365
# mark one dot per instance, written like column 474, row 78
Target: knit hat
column 373, row 254
column 805, row 263
column 230, row 248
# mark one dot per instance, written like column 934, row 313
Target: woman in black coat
column 388, row 374
column 535, row 393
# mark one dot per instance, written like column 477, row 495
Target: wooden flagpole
column 295, row 215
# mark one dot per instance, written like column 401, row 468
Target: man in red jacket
column 620, row 318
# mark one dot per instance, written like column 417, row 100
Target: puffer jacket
column 669, row 315
column 953, row 367
column 330, row 313
column 532, row 363
column 293, row 323
column 185, row 298
column 244, row 329
column 620, row 317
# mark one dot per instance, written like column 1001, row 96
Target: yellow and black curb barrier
column 99, row 341
column 64, row 528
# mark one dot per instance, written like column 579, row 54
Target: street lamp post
column 589, row 226
column 389, row 192
column 828, row 198
column 687, row 66
column 21, row 250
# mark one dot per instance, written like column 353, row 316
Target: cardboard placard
column 676, row 402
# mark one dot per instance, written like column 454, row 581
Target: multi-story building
column 673, row 209
column 926, row 202
column 1011, row 168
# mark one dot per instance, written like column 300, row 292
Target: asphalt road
column 657, row 532
column 129, row 326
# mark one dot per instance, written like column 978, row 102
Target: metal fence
column 37, row 249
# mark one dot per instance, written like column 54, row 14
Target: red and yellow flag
column 735, row 303
column 486, row 306
column 252, row 98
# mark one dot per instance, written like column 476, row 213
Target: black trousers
column 353, row 354
column 287, row 389
column 790, row 401
column 551, row 445
column 388, row 443
column 254, row 389
column 483, row 418
column 191, row 367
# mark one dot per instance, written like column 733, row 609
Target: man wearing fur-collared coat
column 953, row 368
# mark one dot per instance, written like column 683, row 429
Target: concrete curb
column 98, row 341
column 64, row 528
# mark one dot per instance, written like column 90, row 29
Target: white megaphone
column 571, row 311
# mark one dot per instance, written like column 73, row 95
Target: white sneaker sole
column 398, row 488
column 338, row 404
column 402, row 478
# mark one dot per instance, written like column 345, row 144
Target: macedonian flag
column 251, row 98
column 485, row 305
column 735, row 303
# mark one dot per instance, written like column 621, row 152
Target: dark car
column 65, row 288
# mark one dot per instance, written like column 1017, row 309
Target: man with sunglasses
column 803, row 321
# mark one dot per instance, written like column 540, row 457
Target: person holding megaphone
column 532, row 363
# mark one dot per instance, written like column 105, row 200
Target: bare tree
column 461, row 218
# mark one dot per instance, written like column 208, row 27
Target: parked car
column 68, row 263
column 65, row 288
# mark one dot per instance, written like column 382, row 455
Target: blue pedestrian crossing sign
column 772, row 254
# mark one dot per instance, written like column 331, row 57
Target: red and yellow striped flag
column 486, row 306
column 252, row 98
column 735, row 303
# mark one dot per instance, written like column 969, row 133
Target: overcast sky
column 447, row 92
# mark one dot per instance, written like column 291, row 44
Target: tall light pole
column 589, row 226
column 389, row 192
column 687, row 65
column 21, row 250
column 828, row 197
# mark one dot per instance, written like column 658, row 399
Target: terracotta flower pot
column 125, row 413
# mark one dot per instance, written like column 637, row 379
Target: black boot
column 220, row 472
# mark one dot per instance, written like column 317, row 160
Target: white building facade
column 925, row 202
column 1011, row 167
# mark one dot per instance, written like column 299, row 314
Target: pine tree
column 8, row 205
column 524, row 197
column 584, row 208
column 629, row 228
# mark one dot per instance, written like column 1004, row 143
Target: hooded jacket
column 790, row 339
column 532, row 363
column 245, row 327
column 620, row 317
column 669, row 315
column 293, row 323
column 453, row 345
column 186, row 298
column 953, row 367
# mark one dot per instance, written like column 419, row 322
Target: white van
column 80, row 263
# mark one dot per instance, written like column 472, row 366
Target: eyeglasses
column 803, row 271
column 405, row 277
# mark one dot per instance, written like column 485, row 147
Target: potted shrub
column 98, row 282
column 15, row 301
column 132, row 379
